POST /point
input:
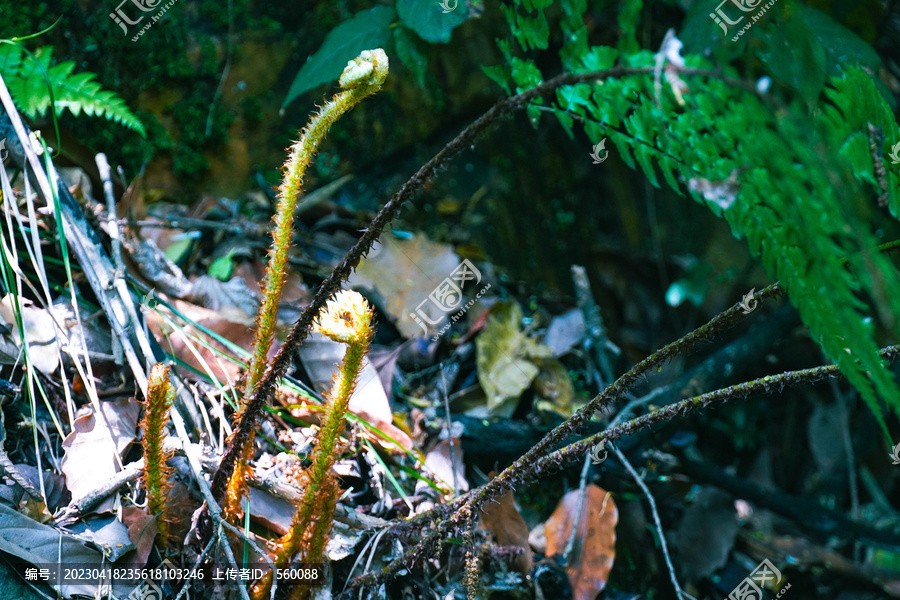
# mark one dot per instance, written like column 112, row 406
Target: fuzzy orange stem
column 160, row 395
column 362, row 77
column 346, row 319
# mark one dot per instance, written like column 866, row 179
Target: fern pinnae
column 36, row 85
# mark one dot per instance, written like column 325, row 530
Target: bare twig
column 762, row 386
column 659, row 530
column 79, row 506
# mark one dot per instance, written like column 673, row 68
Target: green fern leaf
column 28, row 78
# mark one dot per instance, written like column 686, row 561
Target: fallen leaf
column 404, row 273
column 504, row 520
column 705, row 536
column 565, row 332
column 442, row 466
column 142, row 531
column 554, row 385
column 232, row 300
column 48, row 546
column 239, row 332
column 107, row 533
column 594, row 551
column 40, row 333
column 503, row 358
column 94, row 443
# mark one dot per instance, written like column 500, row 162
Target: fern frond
column 780, row 180
column 28, row 76
column 856, row 107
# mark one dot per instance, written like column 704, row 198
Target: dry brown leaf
column 142, row 531
column 594, row 551
column 503, row 519
column 92, row 448
column 404, row 273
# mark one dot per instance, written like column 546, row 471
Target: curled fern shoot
column 160, row 395
column 346, row 319
column 362, row 77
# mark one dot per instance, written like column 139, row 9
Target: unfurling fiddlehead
column 346, row 319
column 363, row 76
column 160, row 394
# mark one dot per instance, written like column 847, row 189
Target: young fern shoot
column 160, row 395
column 346, row 319
column 362, row 77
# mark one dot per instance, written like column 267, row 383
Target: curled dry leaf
column 93, row 447
column 503, row 519
column 594, row 550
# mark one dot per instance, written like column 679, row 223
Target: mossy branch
column 268, row 383
column 465, row 507
column 346, row 319
column 160, row 395
column 362, row 77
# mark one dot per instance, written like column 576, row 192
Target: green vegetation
column 35, row 83
column 791, row 171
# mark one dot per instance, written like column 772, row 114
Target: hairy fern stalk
column 362, row 77
column 157, row 473
column 346, row 319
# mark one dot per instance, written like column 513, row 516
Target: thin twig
column 659, row 530
column 79, row 506
column 769, row 384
